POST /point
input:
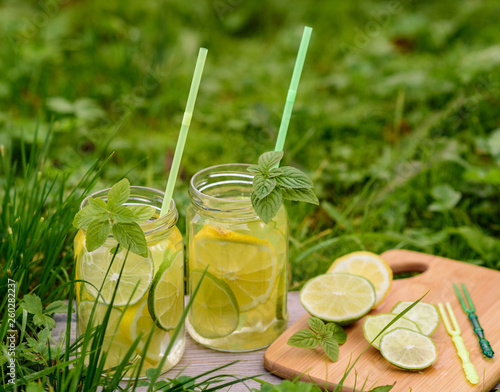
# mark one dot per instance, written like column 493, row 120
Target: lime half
column 214, row 312
column 374, row 324
column 423, row 314
column 247, row 264
column 341, row 298
column 166, row 296
column 135, row 281
column 408, row 349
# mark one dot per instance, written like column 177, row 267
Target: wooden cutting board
column 446, row 374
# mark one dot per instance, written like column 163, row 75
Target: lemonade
column 149, row 300
column 241, row 304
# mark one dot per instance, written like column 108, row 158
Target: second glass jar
column 242, row 301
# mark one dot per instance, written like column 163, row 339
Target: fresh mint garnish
column 100, row 218
column 273, row 185
column 329, row 336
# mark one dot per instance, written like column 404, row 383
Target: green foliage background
column 396, row 119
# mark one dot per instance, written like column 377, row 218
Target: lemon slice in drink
column 341, row 298
column 408, row 349
column 371, row 267
column 214, row 312
column 423, row 314
column 374, row 324
column 247, row 264
column 166, row 296
column 115, row 342
column 135, row 281
column 136, row 320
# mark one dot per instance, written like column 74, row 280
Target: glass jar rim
column 217, row 203
column 169, row 219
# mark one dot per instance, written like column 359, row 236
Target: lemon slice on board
column 135, row 281
column 341, row 298
column 166, row 296
column 423, row 314
column 214, row 312
column 247, row 264
column 408, row 349
column 370, row 266
column 115, row 342
column 374, row 324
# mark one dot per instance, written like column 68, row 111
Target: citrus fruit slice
column 247, row 264
column 374, row 324
column 341, row 298
column 214, row 312
column 135, row 281
column 166, row 296
column 408, row 349
column 137, row 320
column 115, row 343
column 370, row 266
column 423, row 314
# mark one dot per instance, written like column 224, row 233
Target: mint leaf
column 331, row 348
column 94, row 210
column 113, row 249
column 131, row 236
column 123, row 215
column 97, row 234
column 118, row 194
column 305, row 338
column 293, row 178
column 263, row 186
column 142, row 213
column 270, row 159
column 267, row 207
column 337, row 331
column 300, row 194
column 275, row 172
column 254, row 169
column 316, row 324
column 32, row 304
column 56, row 307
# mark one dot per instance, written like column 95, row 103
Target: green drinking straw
column 292, row 91
column 186, row 121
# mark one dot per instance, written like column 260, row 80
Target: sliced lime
column 215, row 312
column 423, row 314
column 166, row 296
column 341, row 298
column 374, row 324
column 135, row 281
column 408, row 349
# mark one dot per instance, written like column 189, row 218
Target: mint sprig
column 273, row 185
column 100, row 218
column 329, row 336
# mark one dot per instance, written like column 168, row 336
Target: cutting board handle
column 408, row 261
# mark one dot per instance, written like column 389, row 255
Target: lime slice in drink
column 135, row 281
column 247, row 264
column 115, row 342
column 423, row 314
column 166, row 296
column 136, row 320
column 214, row 312
column 341, row 298
column 369, row 266
column 374, row 324
column 408, row 349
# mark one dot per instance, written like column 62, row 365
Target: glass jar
column 150, row 295
column 242, row 301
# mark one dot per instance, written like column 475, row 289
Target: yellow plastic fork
column 469, row 369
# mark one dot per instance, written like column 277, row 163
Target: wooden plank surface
column 446, row 374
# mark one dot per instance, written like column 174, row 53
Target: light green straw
column 186, row 121
column 292, row 91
